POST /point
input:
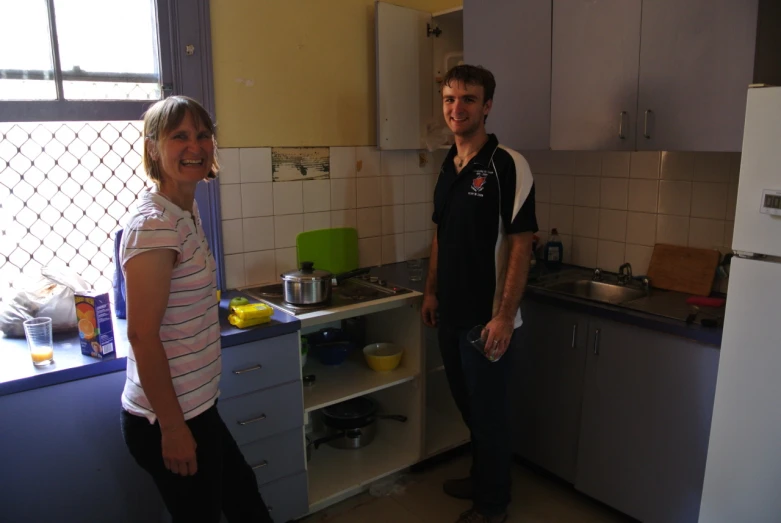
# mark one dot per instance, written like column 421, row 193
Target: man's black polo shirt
column 475, row 210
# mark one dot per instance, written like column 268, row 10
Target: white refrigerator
column 743, row 469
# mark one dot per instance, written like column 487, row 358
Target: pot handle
column 350, row 274
column 395, row 417
column 326, row 439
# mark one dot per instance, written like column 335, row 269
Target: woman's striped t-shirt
column 190, row 329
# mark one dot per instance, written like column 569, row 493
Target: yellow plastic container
column 247, row 323
column 382, row 357
column 253, row 311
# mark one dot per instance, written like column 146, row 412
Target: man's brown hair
column 473, row 75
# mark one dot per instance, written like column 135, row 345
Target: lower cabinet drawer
column 259, row 365
column 287, row 498
column 265, row 413
column 276, row 457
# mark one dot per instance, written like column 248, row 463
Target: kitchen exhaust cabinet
column 547, row 387
column 595, row 64
column 647, row 407
column 512, row 40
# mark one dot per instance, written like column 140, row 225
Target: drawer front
column 265, row 413
column 287, row 498
column 259, row 365
column 276, row 457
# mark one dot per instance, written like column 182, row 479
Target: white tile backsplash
column 344, row 218
column 420, row 162
column 393, row 219
column 342, row 162
column 586, row 163
column 644, row 164
column 317, row 195
column 587, row 190
column 230, row 201
column 314, row 221
column 639, row 257
column 255, row 165
column 542, row 188
column 392, row 163
column 286, row 260
column 561, row 218
column 258, row 233
column 232, row 237
column 286, row 228
column 643, row 195
column 369, row 192
column 416, row 245
column 392, row 190
column 584, row 251
column 732, row 200
column 709, row 200
column 612, row 225
column 288, row 197
column 712, row 167
column 370, row 252
column 416, row 217
column 343, row 194
column 677, row 166
column 734, row 167
column 417, row 189
column 641, row 228
column 257, row 199
column 393, row 248
column 542, row 210
column 234, row 270
column 615, row 164
column 586, row 222
column 614, row 193
column 707, row 234
column 562, row 189
column 675, row 197
column 260, row 267
column 369, row 222
column 229, row 166
column 672, row 230
column 610, row 255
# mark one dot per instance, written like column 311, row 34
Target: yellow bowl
column 382, row 356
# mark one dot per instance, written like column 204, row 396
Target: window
column 71, row 98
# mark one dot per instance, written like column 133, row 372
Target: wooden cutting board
column 683, row 269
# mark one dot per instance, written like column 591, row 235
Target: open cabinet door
column 404, row 75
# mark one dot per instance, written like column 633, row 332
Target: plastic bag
column 51, row 296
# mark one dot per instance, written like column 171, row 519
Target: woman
column 169, row 415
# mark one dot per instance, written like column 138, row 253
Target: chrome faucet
column 624, row 274
column 597, row 275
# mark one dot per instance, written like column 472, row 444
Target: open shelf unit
column 398, row 445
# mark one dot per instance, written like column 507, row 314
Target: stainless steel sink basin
column 597, row 291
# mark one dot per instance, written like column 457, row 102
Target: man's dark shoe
column 459, row 488
column 473, row 516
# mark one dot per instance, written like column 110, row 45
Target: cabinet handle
column 574, row 334
column 260, row 465
column 249, row 369
column 253, row 420
column 645, row 124
column 621, row 134
column 596, row 342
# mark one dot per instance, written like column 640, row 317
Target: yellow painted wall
column 297, row 72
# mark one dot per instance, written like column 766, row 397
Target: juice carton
column 96, row 331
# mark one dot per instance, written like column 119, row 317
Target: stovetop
column 348, row 292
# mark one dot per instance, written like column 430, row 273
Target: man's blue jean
column 480, row 388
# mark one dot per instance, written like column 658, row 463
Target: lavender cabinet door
column 512, row 40
column 596, row 49
column 696, row 63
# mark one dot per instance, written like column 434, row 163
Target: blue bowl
column 333, row 353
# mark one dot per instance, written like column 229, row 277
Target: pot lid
column 307, row 272
column 355, row 408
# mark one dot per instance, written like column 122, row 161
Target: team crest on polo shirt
column 478, row 182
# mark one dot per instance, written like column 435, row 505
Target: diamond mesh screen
column 64, row 189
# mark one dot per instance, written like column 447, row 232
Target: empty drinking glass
column 39, row 338
column 477, row 339
column 415, row 270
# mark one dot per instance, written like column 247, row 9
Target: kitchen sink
column 597, row 291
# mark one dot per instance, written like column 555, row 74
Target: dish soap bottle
column 554, row 251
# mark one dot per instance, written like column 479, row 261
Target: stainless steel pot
column 352, row 424
column 310, row 286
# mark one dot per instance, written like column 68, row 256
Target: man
column 480, row 255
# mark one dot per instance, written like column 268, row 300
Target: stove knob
column 374, row 279
column 383, row 283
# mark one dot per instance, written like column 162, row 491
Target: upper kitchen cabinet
column 414, row 49
column 594, row 74
column 696, row 63
column 512, row 40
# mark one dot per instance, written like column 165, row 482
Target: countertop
column 17, row 373
column 650, row 313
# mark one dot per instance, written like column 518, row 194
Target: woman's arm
column 148, row 283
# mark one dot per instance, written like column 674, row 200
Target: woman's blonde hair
column 165, row 116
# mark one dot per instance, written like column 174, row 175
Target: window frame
column 181, row 23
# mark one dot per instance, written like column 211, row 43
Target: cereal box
column 96, row 331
